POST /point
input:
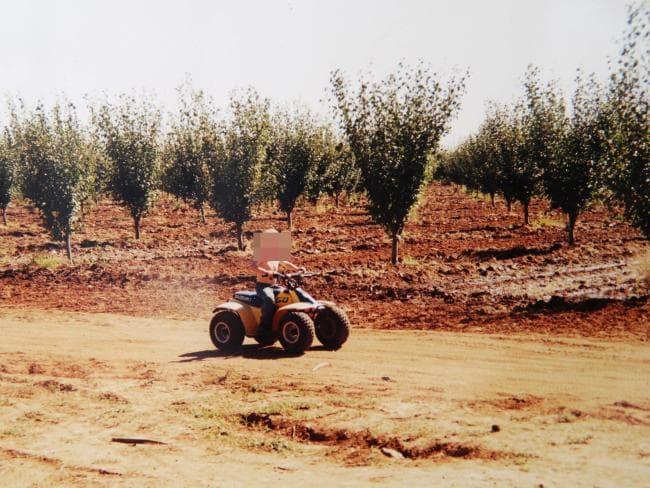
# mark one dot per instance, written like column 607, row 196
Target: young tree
column 462, row 167
column 392, row 127
column 189, row 149
column 342, row 174
column 572, row 176
column 477, row 167
column 7, row 173
column 236, row 172
column 95, row 171
column 129, row 130
column 51, row 152
column 334, row 171
column 451, row 166
column 316, row 180
column 488, row 152
column 293, row 153
column 507, row 136
column 542, row 114
column 628, row 131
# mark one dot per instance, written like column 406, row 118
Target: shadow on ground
column 249, row 351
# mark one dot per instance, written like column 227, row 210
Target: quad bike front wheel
column 227, row 331
column 332, row 327
column 296, row 332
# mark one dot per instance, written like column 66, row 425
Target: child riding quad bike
column 297, row 318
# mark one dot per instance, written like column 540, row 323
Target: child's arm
column 289, row 263
column 261, row 269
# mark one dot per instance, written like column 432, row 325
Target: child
column 266, row 271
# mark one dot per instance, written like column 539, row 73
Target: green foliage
column 542, row 121
column 628, row 131
column 512, row 147
column 487, row 152
column 190, row 149
column 95, row 172
column 341, row 174
column 293, row 153
column 475, row 162
column 571, row 178
column 236, row 171
column 392, row 127
column 508, row 134
column 51, row 155
column 334, row 172
column 7, row 173
column 129, row 130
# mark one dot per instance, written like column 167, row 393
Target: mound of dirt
column 341, row 438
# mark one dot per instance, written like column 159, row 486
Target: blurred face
column 272, row 246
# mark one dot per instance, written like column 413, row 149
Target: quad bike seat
column 249, row 297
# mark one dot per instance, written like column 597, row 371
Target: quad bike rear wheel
column 332, row 327
column 296, row 332
column 227, row 331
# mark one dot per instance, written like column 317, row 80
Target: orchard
column 383, row 146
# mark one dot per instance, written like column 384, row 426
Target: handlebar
column 293, row 280
column 300, row 274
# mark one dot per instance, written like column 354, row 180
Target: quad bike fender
column 326, row 303
column 247, row 314
column 308, row 308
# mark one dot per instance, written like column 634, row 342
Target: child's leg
column 268, row 304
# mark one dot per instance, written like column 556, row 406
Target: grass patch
column 48, row 261
column 548, row 221
column 409, row 261
column 269, row 445
column 573, row 441
column 322, row 207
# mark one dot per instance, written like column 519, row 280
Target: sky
column 287, row 49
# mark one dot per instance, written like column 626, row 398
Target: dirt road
column 461, row 408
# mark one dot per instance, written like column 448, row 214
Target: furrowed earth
column 493, row 354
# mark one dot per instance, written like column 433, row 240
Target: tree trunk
column 240, row 236
column 4, row 215
column 394, row 256
column 68, row 244
column 202, row 214
column 336, row 200
column 573, row 216
column 526, row 216
column 136, row 225
column 289, row 223
column 492, row 199
column 509, row 203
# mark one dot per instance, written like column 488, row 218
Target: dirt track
column 567, row 412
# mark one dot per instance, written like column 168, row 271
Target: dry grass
column 644, row 268
column 48, row 261
column 547, row 221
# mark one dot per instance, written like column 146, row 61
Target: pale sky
column 287, row 49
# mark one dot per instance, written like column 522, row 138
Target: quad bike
column 297, row 318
